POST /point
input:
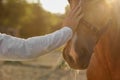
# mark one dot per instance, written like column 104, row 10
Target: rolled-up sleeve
column 18, row 49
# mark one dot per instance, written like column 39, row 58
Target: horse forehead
column 97, row 13
column 86, row 1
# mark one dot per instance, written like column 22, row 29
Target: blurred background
column 28, row 18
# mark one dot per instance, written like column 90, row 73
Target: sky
column 54, row 6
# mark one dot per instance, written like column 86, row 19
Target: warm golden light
column 54, row 6
column 110, row 1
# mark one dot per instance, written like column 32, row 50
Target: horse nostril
column 84, row 58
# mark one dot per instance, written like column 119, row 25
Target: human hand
column 73, row 18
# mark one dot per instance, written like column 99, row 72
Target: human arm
column 12, row 48
column 18, row 49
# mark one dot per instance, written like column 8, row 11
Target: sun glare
column 110, row 1
column 54, row 6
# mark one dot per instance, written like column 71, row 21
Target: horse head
column 79, row 49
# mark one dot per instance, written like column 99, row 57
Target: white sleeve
column 12, row 48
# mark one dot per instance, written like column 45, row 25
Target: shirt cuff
column 68, row 28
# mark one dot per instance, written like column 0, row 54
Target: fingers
column 77, row 10
column 80, row 17
column 74, row 17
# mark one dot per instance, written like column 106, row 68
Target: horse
column 95, row 44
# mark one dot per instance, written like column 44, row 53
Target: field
column 43, row 68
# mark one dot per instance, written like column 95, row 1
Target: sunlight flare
column 109, row 2
column 54, row 6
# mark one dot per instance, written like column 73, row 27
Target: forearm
column 12, row 48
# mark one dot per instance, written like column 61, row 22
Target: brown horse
column 95, row 45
